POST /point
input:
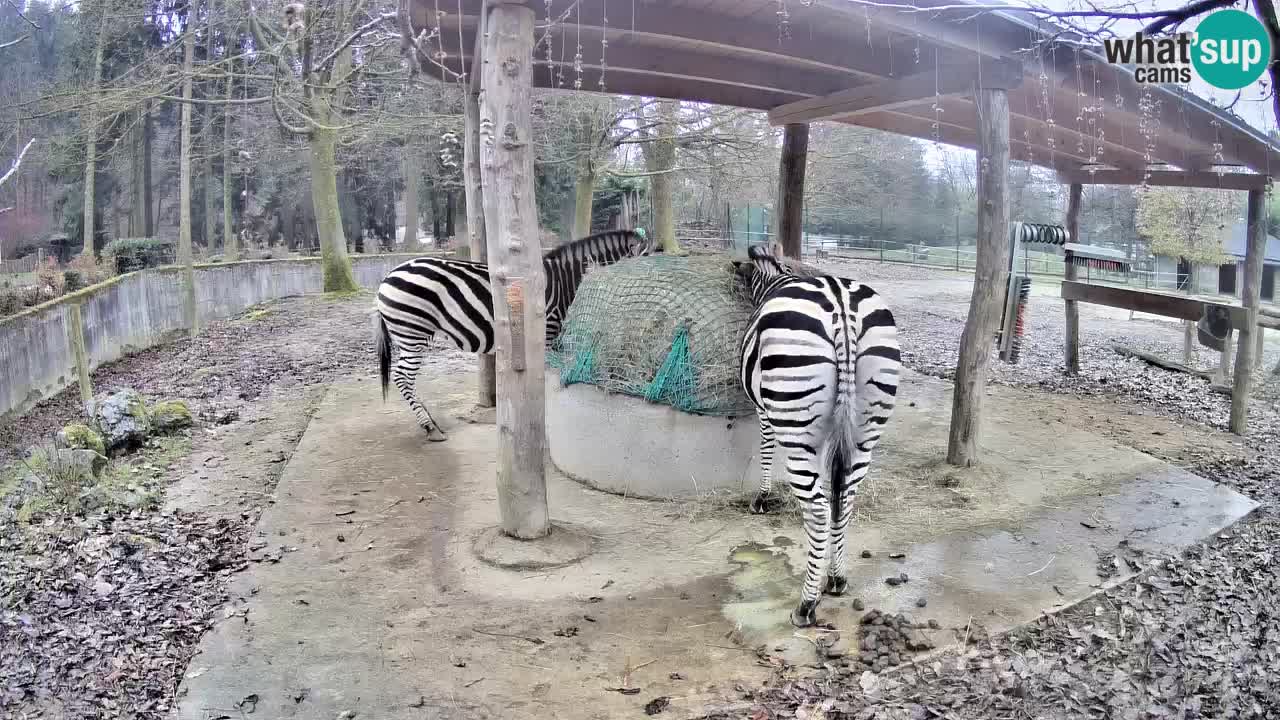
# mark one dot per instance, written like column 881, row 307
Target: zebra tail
column 384, row 354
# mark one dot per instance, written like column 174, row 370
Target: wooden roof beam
column 714, row 32
column 901, row 123
column 900, row 92
column 1167, row 178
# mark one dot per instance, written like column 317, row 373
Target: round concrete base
column 565, row 545
column 627, row 446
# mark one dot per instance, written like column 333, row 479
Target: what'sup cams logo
column 1229, row 50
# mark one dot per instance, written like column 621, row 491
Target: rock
column 921, row 602
column 934, row 625
column 867, row 657
column 893, row 581
column 76, row 465
column 866, row 553
column 838, row 649
column 858, row 604
column 121, row 417
column 870, row 617
column 78, row 436
column 869, row 642
column 170, row 415
column 917, row 641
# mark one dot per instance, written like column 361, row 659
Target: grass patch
column 126, row 483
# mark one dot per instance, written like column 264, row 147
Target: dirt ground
column 1195, row 635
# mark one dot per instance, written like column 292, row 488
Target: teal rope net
column 665, row 328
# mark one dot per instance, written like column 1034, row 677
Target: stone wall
column 140, row 309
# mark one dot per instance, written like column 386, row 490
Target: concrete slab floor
column 380, row 607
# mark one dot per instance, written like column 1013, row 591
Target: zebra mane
column 592, row 246
column 762, row 273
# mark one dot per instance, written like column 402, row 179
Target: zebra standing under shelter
column 820, row 361
column 428, row 296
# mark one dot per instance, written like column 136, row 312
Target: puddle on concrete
column 764, row 589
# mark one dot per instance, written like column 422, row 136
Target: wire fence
column 957, row 258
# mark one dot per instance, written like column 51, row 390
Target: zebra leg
column 405, row 376
column 843, row 489
column 761, row 502
column 804, row 475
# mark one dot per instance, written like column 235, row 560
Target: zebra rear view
column 431, row 296
column 821, row 363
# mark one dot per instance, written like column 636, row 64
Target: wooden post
column 790, row 208
column 1250, row 299
column 485, row 383
column 989, row 274
column 1224, row 361
column 75, row 336
column 1074, row 200
column 515, row 266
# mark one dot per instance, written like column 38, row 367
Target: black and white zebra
column 820, row 361
column 431, row 296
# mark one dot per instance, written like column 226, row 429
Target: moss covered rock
column 78, row 436
column 123, row 420
column 170, row 415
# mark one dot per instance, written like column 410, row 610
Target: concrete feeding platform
column 388, row 613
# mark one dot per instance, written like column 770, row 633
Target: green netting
column 662, row 328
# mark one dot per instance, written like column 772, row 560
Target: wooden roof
column 881, row 67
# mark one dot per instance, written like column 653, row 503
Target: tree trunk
column 448, row 214
column 436, row 230
column 660, row 158
column 790, row 203
column 184, row 190
column 150, row 218
column 988, row 282
column 411, row 176
column 230, row 246
column 1250, row 298
column 91, row 139
column 515, row 270
column 583, row 195
column 1189, row 327
column 137, row 209
column 324, row 199
column 1074, row 200
column 486, row 396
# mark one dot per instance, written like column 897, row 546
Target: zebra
column 427, row 296
column 820, row 361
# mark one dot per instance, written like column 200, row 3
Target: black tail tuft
column 384, row 354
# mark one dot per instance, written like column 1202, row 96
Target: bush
column 132, row 254
column 91, row 270
column 11, row 301
column 49, row 278
column 72, row 280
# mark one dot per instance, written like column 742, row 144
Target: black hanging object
column 1213, row 327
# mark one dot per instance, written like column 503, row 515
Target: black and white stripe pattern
column 821, row 362
column 432, row 296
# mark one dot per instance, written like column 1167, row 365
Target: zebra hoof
column 761, row 504
column 434, row 434
column 805, row 614
column 836, row 586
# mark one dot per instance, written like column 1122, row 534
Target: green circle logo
column 1232, row 49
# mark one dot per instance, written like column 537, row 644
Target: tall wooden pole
column 485, row 382
column 1249, row 298
column 1074, row 198
column 191, row 311
column 515, row 266
column 790, row 207
column 989, row 276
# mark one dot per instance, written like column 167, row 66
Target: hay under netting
column 663, row 328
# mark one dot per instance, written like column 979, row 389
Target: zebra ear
column 775, row 249
column 756, row 252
